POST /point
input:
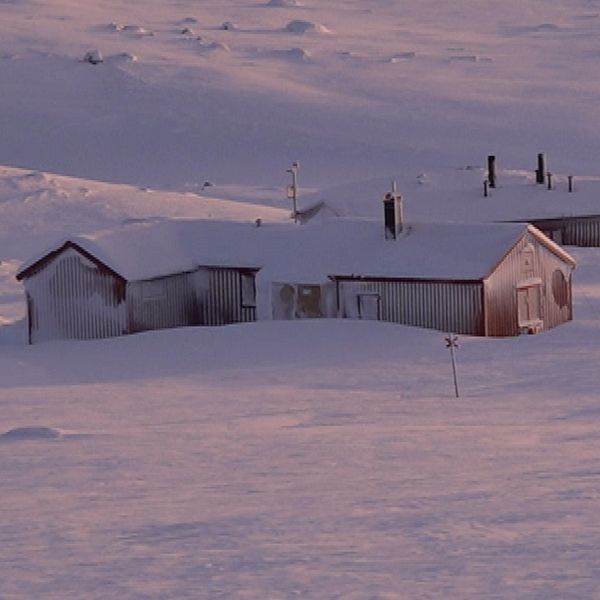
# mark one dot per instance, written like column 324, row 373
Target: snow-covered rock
column 283, row 3
column 300, row 26
column 94, row 57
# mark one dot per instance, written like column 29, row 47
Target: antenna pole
column 293, row 189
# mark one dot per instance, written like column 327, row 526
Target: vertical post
column 293, row 189
column 570, row 177
column 486, row 192
column 549, row 176
column 492, row 171
column 540, row 174
column 452, row 343
column 453, row 354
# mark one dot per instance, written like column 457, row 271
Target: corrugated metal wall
column 208, row 296
column 161, row 303
column 447, row 306
column 223, row 302
column 514, row 271
column 582, row 231
column 72, row 298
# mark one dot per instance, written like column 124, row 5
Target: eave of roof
column 28, row 269
column 551, row 245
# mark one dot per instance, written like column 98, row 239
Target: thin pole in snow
column 570, row 177
column 293, row 189
column 452, row 343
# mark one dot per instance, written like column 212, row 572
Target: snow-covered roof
column 310, row 252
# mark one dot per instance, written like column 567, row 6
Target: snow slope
column 387, row 84
column 283, row 460
column 312, row 460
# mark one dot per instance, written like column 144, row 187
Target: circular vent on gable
column 560, row 288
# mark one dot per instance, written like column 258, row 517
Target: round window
column 560, row 288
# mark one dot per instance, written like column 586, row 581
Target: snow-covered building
column 86, row 290
column 572, row 230
column 478, row 279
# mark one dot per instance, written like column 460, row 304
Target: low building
column 117, row 284
column 478, row 279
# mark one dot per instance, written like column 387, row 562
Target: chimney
column 393, row 217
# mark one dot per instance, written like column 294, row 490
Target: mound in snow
column 283, row 3
column 292, row 54
column 30, row 433
column 300, row 26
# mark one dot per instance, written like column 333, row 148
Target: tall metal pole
column 294, row 189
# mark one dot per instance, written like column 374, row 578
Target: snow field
column 296, row 460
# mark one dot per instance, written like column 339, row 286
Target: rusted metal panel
column 528, row 264
column 71, row 297
column 446, row 306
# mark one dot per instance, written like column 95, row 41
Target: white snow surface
column 313, row 459
column 514, row 81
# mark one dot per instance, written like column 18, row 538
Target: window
column 560, row 288
column 248, row 290
column 528, row 260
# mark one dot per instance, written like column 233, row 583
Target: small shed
column 122, row 282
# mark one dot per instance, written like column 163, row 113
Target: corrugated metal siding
column 575, row 231
column 447, row 306
column 208, row 296
column 161, row 303
column 72, row 298
column 223, row 302
column 501, row 307
column 582, row 233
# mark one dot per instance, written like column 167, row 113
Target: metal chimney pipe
column 540, row 174
column 492, row 170
column 393, row 215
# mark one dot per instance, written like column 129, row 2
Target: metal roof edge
column 25, row 271
column 551, row 245
column 354, row 277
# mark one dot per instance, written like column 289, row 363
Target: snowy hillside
column 316, row 459
column 235, row 90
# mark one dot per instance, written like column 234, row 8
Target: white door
column 368, row 306
column 529, row 305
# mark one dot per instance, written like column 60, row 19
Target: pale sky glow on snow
column 313, row 459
